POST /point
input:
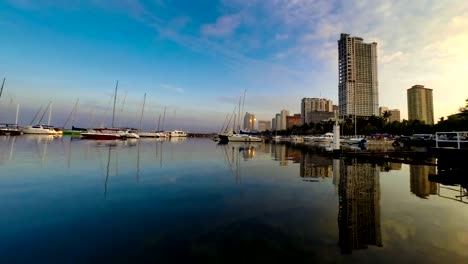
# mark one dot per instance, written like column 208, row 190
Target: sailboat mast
column 72, row 112
column 243, row 103
column 164, row 118
column 50, row 114
column 17, row 112
column 159, row 122
column 43, row 114
column 238, row 116
column 1, row 90
column 142, row 111
column 115, row 99
column 32, row 121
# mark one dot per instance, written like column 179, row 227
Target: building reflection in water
column 359, row 205
column 419, row 180
column 284, row 154
column 315, row 166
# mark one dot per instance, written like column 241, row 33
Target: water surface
column 65, row 200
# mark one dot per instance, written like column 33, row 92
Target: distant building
column 264, row 125
column 420, row 104
column 273, row 124
column 294, row 120
column 250, row 121
column 283, row 115
column 358, row 92
column 382, row 109
column 278, row 122
column 394, row 115
column 314, row 110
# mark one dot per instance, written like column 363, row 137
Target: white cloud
column 224, row 26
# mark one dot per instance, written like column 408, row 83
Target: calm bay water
column 193, row 201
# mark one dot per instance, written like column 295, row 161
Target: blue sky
column 197, row 57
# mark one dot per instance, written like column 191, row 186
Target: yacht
column 243, row 138
column 39, row 129
column 151, row 134
column 177, row 133
column 326, row 138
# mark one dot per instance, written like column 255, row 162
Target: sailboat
column 11, row 129
column 109, row 133
column 42, row 129
column 142, row 133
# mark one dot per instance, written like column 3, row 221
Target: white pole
column 336, row 134
column 50, row 113
column 17, row 112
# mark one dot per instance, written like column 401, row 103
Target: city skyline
column 197, row 59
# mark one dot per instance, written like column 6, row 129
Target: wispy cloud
column 224, row 26
column 171, row 88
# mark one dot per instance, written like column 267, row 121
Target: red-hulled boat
column 102, row 134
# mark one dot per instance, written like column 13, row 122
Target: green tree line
column 380, row 124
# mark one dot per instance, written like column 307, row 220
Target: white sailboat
column 41, row 129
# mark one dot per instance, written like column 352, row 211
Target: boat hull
column 39, row 131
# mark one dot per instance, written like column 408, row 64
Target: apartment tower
column 420, row 104
column 358, row 91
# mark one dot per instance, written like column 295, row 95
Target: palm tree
column 386, row 116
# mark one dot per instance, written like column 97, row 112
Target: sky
column 196, row 58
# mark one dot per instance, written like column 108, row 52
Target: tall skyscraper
column 358, row 91
column 283, row 115
column 420, row 104
column 278, row 122
column 314, row 110
column 249, row 121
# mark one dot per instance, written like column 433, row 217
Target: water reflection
column 359, row 205
column 419, row 180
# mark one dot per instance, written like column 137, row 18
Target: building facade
column 294, row 120
column 264, row 125
column 283, row 114
column 394, row 115
column 314, row 110
column 358, row 91
column 420, row 104
column 278, row 122
column 250, row 121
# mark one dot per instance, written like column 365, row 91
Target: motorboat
column 240, row 138
column 177, row 133
column 129, row 134
column 40, row 130
column 102, row 134
column 354, row 141
column 326, row 138
column 10, row 129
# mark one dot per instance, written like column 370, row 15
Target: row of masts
column 235, row 118
column 75, row 107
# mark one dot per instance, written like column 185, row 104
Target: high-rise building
column 273, row 124
column 358, row 91
column 249, row 121
column 278, row 122
column 264, row 125
column 283, row 115
column 294, row 120
column 420, row 104
column 314, row 110
column 394, row 115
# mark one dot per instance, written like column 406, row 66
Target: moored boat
column 326, row 138
column 10, row 129
column 39, row 130
column 177, row 133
